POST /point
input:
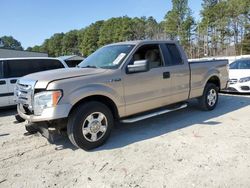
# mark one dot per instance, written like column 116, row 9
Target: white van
column 13, row 68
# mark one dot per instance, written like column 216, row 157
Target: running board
column 139, row 118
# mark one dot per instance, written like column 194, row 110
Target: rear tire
column 209, row 99
column 89, row 125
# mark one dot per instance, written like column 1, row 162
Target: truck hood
column 45, row 77
column 239, row 73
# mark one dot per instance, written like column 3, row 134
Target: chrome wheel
column 212, row 97
column 94, row 126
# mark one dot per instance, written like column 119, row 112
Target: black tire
column 19, row 119
column 31, row 128
column 204, row 102
column 76, row 124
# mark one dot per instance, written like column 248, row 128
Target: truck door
column 178, row 71
column 144, row 90
column 4, row 93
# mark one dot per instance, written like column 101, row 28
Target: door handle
column 166, row 75
column 13, row 81
column 2, row 82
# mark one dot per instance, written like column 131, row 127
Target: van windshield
column 109, row 57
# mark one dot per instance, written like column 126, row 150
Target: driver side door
column 144, row 90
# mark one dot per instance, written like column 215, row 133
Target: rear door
column 4, row 93
column 178, row 72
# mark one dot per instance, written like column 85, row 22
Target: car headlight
column 246, row 79
column 46, row 99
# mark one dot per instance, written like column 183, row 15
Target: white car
column 239, row 76
column 13, row 68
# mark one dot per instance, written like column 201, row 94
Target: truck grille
column 24, row 93
column 233, row 81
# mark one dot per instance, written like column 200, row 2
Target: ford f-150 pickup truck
column 127, row 82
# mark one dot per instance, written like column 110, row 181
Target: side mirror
column 138, row 66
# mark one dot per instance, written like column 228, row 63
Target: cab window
column 151, row 53
column 172, row 55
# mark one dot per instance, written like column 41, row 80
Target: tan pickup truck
column 127, row 82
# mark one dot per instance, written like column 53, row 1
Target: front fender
column 97, row 89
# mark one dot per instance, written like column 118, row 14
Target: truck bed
column 200, row 71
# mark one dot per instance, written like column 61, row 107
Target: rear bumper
column 58, row 112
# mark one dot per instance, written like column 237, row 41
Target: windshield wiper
column 90, row 66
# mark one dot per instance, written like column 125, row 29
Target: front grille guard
column 24, row 94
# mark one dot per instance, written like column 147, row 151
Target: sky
column 32, row 21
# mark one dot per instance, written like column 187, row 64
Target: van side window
column 151, row 53
column 19, row 68
column 1, row 69
column 22, row 67
column 49, row 64
column 173, row 55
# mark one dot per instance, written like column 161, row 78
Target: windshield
column 109, row 57
column 241, row 64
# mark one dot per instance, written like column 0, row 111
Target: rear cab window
column 172, row 55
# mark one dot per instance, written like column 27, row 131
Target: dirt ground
column 187, row 148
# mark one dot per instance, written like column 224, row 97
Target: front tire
column 19, row 119
column 89, row 125
column 209, row 99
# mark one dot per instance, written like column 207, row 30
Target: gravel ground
column 187, row 148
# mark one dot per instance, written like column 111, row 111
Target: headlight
column 46, row 99
column 246, row 79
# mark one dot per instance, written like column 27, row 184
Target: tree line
column 223, row 29
column 10, row 42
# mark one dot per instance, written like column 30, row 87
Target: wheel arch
column 215, row 80
column 99, row 98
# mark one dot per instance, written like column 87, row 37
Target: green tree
column 223, row 23
column 70, row 43
column 139, row 27
column 246, row 44
column 179, row 23
column 109, row 31
column 10, row 42
column 55, row 45
column 35, row 48
column 152, row 28
column 238, row 12
column 124, row 31
column 179, row 20
column 89, row 42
